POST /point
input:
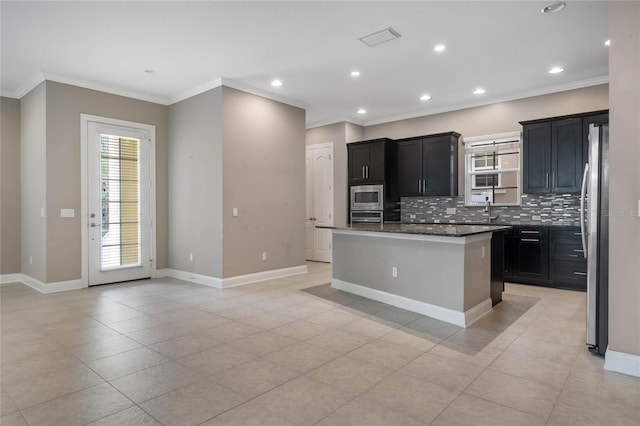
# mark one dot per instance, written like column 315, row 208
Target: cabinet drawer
column 530, row 231
column 566, row 250
column 571, row 275
column 567, row 234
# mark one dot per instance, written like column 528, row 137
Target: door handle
column 367, row 169
column 424, row 185
column 363, row 176
column 93, row 225
column 530, row 240
column 419, row 186
column 547, row 185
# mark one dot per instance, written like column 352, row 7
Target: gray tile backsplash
column 547, row 209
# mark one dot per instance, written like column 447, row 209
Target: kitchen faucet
column 487, row 208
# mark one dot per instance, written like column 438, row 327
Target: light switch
column 235, row 212
column 42, row 213
column 67, row 213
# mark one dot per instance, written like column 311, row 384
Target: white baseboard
column 461, row 319
column 10, row 278
column 195, row 278
column 263, row 276
column 160, row 273
column 621, row 362
column 237, row 280
column 47, row 288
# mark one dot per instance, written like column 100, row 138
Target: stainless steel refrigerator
column 594, row 219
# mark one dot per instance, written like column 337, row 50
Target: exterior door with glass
column 118, row 203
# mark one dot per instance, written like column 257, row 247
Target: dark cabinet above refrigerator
column 554, row 153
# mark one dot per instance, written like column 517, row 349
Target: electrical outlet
column 394, row 272
column 30, row 260
column 264, row 256
column 235, row 212
column 535, row 217
column 483, row 250
column 190, row 257
column 451, row 210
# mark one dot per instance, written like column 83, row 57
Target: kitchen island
column 442, row 271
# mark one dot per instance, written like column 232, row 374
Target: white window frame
column 473, row 145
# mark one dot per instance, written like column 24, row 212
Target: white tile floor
column 293, row 351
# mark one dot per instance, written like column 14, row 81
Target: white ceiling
column 506, row 47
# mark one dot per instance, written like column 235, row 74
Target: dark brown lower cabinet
column 545, row 255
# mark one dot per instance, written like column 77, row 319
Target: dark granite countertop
column 439, row 229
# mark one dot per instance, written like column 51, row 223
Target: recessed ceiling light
column 149, row 71
column 478, row 91
column 439, row 48
column 425, row 97
column 556, row 70
column 607, row 43
column 276, row 83
column 554, row 7
column 355, row 73
column 362, row 111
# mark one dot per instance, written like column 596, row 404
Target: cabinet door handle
column 578, row 250
column 547, row 185
column 531, row 232
column 367, row 170
column 578, row 234
column 363, row 176
column 582, row 274
column 572, row 255
column 424, row 185
column 553, row 178
column 419, row 186
column 530, row 240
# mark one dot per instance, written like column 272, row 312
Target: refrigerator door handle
column 583, row 199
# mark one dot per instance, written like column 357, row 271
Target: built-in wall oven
column 367, row 203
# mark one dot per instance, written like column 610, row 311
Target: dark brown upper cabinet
column 554, row 153
column 367, row 161
column 428, row 165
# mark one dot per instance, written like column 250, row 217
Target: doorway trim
column 84, row 175
column 331, row 146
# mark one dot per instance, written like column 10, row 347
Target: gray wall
column 264, row 177
column 195, row 184
column 10, row 221
column 33, row 181
column 335, row 133
column 495, row 118
column 624, row 190
column 64, row 104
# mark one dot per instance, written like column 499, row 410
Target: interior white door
column 319, row 201
column 118, row 203
column 310, row 224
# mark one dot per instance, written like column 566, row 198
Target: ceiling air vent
column 380, row 37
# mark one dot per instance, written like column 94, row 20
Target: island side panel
column 428, row 271
column 477, row 270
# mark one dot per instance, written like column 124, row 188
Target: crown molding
column 234, row 84
column 26, row 87
column 519, row 95
column 40, row 77
column 330, row 121
column 194, row 91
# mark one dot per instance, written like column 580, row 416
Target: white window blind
column 120, row 184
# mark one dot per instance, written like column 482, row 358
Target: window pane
column 120, row 202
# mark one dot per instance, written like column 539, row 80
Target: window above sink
column 492, row 170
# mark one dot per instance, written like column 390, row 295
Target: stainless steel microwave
column 367, row 197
